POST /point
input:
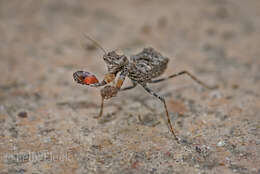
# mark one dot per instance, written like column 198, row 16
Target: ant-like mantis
column 141, row 69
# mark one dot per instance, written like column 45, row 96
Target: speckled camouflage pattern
column 146, row 65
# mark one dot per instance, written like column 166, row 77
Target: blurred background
column 42, row 108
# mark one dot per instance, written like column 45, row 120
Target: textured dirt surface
column 46, row 119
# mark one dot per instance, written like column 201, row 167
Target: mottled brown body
column 146, row 65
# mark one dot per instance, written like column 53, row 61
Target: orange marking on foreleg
column 119, row 83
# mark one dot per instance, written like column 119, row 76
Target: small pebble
column 221, row 144
column 47, row 140
column 22, row 114
column 197, row 166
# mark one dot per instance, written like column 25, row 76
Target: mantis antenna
column 95, row 42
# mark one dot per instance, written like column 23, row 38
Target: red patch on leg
column 90, row 80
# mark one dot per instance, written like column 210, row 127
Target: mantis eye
column 85, row 78
column 119, row 52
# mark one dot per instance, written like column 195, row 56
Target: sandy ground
column 46, row 119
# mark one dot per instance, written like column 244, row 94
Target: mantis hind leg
column 165, row 107
column 187, row 73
